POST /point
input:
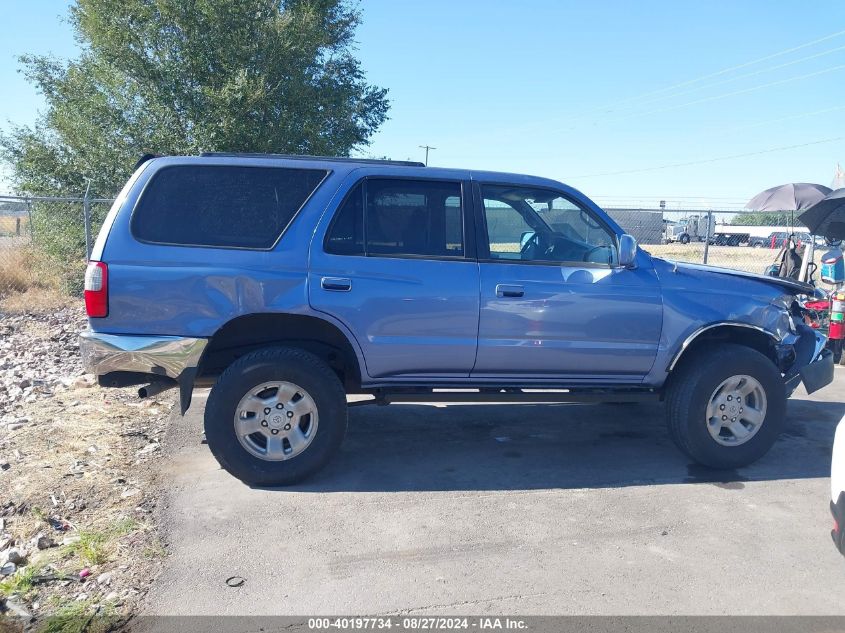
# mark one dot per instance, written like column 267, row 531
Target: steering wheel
column 591, row 251
column 535, row 244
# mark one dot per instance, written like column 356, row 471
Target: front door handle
column 504, row 290
column 336, row 283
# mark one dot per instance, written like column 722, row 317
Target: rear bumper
column 167, row 356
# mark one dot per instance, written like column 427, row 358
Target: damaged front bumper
column 813, row 362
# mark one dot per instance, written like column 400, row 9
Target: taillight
column 97, row 289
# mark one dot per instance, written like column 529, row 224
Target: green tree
column 765, row 218
column 186, row 76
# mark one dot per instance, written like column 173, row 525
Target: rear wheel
column 726, row 406
column 275, row 416
column 684, row 239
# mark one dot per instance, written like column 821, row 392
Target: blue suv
column 287, row 282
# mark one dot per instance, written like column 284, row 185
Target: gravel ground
column 77, row 480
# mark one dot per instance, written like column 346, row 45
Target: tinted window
column 346, row 235
column 209, row 205
column 407, row 217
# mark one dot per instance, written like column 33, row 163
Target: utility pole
column 426, row 148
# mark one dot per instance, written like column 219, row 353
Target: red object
column 85, row 573
column 817, row 305
column 97, row 289
column 836, row 331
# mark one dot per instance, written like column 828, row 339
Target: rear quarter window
column 222, row 206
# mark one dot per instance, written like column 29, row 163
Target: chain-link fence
column 46, row 240
column 58, row 232
column 725, row 237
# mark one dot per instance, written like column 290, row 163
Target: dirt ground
column 754, row 260
column 78, row 540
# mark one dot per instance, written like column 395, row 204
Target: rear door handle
column 504, row 290
column 336, row 283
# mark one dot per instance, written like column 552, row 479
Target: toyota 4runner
column 287, row 282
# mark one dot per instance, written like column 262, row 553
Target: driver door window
column 537, row 225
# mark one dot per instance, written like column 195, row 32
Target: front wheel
column 275, row 416
column 684, row 239
column 726, row 406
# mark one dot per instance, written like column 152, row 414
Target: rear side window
column 221, row 205
column 399, row 218
column 410, row 217
column 346, row 235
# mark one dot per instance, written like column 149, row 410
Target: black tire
column 684, row 239
column 692, row 384
column 275, row 364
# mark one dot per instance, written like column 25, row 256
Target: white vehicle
column 837, row 487
column 692, row 228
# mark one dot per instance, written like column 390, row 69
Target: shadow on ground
column 525, row 447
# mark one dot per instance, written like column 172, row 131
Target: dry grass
column 16, row 270
column 754, row 260
column 14, row 225
column 28, row 283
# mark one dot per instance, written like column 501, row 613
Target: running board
column 493, row 395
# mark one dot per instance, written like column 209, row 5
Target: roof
column 335, row 159
column 343, row 166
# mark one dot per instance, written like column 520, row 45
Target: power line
column 609, row 108
column 724, row 71
column 743, row 76
column 709, row 160
column 778, row 120
column 728, row 94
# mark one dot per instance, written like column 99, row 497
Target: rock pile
column 39, row 354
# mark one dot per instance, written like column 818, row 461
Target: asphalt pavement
column 515, row 509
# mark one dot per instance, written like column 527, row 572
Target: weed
column 93, row 546
column 79, row 616
column 90, row 548
column 19, row 582
column 155, row 550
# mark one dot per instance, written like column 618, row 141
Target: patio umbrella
column 794, row 196
column 827, row 217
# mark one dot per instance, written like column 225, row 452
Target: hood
column 794, row 287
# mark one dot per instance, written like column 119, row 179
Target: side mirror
column 627, row 251
column 524, row 239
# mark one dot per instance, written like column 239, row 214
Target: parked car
column 285, row 283
column 778, row 239
column 837, row 488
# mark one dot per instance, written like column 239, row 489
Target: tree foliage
column 765, row 218
column 187, row 76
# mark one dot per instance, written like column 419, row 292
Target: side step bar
column 494, row 395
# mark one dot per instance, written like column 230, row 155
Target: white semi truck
column 692, row 228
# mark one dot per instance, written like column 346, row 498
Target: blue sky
column 579, row 91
